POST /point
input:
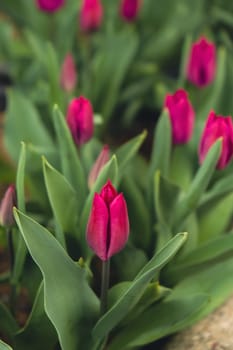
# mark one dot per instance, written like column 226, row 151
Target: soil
column 212, row 333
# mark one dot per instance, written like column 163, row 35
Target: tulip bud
column 68, row 76
column 6, row 207
column 108, row 224
column 91, row 15
column 217, row 127
column 129, row 9
column 102, row 159
column 181, row 115
column 50, row 5
column 80, row 120
column 201, row 66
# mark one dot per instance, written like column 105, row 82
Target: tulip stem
column 104, row 286
column 11, row 248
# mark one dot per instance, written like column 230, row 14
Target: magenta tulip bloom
column 201, row 66
column 102, row 159
column 80, row 120
column 91, row 15
column 181, row 115
column 6, row 207
column 217, row 127
column 68, row 76
column 50, row 5
column 108, row 224
column 129, row 9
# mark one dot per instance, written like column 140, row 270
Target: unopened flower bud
column 50, row 5
column 6, row 207
column 91, row 15
column 182, row 116
column 68, row 76
column 80, row 120
column 129, row 9
column 108, row 224
column 201, row 66
column 102, row 159
column 217, row 127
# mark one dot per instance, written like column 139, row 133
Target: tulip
column 91, row 15
column 102, row 159
column 108, row 224
column 201, row 66
column 68, row 76
column 217, row 127
column 129, row 9
column 181, row 115
column 6, row 207
column 50, row 5
column 80, row 120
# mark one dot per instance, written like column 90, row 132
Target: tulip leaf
column 108, row 172
column 64, row 283
column 133, row 294
column 126, row 152
column 159, row 320
column 70, row 162
column 198, row 186
column 161, row 151
column 15, row 130
column 38, row 328
column 4, row 346
column 8, row 325
column 62, row 198
column 221, row 188
column 21, row 249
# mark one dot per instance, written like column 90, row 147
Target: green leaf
column 23, row 124
column 159, row 320
column 21, row 249
column 8, row 325
column 4, row 346
column 63, row 199
column 108, row 172
column 128, row 150
column 38, row 328
column 161, row 151
column 70, row 162
column 69, row 302
column 198, row 186
column 133, row 294
column 221, row 188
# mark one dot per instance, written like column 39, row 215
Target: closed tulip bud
column 6, row 207
column 91, row 15
column 102, row 159
column 108, row 224
column 129, row 9
column 201, row 66
column 80, row 120
column 68, row 76
column 217, row 127
column 50, row 5
column 181, row 115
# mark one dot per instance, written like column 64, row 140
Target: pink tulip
column 80, row 120
column 50, row 5
column 68, row 76
column 6, row 207
column 102, row 159
column 91, row 15
column 129, row 9
column 108, row 224
column 181, row 115
column 217, row 127
column 201, row 66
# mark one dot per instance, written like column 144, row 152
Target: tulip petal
column 119, row 225
column 97, row 227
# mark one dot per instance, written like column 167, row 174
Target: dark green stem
column 104, row 286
